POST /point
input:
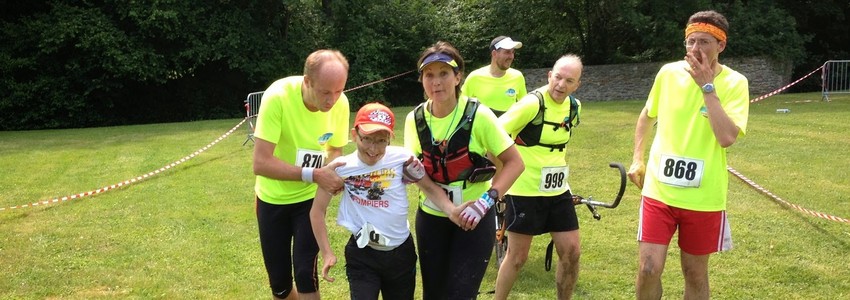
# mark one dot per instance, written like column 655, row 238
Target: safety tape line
column 190, row 156
column 785, row 87
column 786, row 203
column 764, row 190
column 132, row 180
column 169, row 166
column 377, row 81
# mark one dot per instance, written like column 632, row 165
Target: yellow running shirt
column 546, row 172
column 301, row 137
column 686, row 166
column 496, row 93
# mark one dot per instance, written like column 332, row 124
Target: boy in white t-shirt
column 380, row 255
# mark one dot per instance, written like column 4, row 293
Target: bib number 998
column 553, row 180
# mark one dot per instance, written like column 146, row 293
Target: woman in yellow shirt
column 453, row 135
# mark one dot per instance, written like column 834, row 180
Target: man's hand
column 637, row 173
column 327, row 179
column 701, row 68
column 329, row 261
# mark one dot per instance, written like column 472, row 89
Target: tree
column 825, row 23
column 380, row 40
column 108, row 62
column 74, row 64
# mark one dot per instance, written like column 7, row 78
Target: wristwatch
column 708, row 88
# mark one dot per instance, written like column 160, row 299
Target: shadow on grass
column 817, row 227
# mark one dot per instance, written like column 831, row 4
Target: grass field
column 190, row 232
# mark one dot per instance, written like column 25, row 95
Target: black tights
column 453, row 261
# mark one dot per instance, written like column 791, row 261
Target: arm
column 320, row 230
column 437, row 195
column 266, row 164
column 724, row 129
column 326, row 177
column 510, row 166
column 703, row 72
column 642, row 131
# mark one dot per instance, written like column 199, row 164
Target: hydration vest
column 449, row 160
column 530, row 135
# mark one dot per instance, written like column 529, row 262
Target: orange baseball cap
column 373, row 117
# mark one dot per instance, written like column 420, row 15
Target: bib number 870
column 553, row 180
column 312, row 160
column 680, row 169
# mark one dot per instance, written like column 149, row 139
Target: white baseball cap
column 504, row 42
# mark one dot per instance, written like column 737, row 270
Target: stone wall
column 633, row 81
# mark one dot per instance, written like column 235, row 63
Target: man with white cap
column 497, row 85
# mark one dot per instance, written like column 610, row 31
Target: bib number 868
column 680, row 169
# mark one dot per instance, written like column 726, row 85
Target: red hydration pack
column 450, row 160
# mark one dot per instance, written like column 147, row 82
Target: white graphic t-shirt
column 374, row 204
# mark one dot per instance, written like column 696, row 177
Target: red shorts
column 700, row 232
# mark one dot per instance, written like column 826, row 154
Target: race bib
column 455, row 194
column 554, row 179
column 680, row 171
column 369, row 236
column 310, row 158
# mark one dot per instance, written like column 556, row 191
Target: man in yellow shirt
column 539, row 201
column 497, row 85
column 699, row 108
column 302, row 122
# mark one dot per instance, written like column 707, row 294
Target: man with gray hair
column 540, row 200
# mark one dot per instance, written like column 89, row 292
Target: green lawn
column 190, row 232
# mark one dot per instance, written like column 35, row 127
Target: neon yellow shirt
column 533, row 181
column 487, row 137
column 496, row 93
column 301, row 137
column 686, row 166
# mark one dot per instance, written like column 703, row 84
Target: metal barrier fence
column 835, row 78
column 252, row 107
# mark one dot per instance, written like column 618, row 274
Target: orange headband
column 714, row 31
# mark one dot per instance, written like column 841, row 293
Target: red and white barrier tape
column 783, row 202
column 169, row 166
column 132, row 180
column 785, row 87
column 377, row 81
column 190, row 156
column 764, row 190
